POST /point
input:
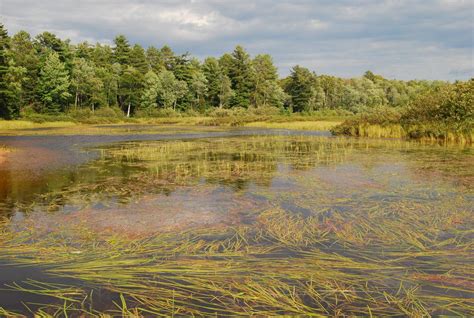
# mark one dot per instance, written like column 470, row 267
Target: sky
column 416, row 39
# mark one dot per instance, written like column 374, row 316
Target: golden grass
column 419, row 132
column 6, row 125
column 296, row 125
column 25, row 127
column 395, row 250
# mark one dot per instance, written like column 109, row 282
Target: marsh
column 199, row 221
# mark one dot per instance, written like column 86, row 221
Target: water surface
column 238, row 221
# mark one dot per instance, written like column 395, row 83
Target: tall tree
column 168, row 58
column 300, row 88
column 102, row 55
column 87, row 85
column 213, row 73
column 24, row 55
column 267, row 91
column 46, row 42
column 225, row 92
column 198, row 90
column 154, row 59
column 130, row 89
column 122, row 50
column 150, row 92
column 138, row 59
column 242, row 76
column 5, row 93
column 53, row 84
column 170, row 89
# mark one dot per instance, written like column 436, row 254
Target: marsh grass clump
column 444, row 113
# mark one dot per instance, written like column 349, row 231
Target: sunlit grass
column 6, row 125
column 297, row 125
column 419, row 132
column 361, row 241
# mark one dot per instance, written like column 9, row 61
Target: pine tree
column 54, row 84
column 213, row 73
column 138, row 59
column 122, row 50
column 5, row 93
column 24, row 55
column 267, row 91
column 154, row 60
column 242, row 76
column 300, row 88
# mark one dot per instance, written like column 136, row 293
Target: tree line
column 46, row 74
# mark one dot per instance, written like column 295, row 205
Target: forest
column 49, row 76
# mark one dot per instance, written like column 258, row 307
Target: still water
column 235, row 222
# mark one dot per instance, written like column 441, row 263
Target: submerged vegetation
column 298, row 225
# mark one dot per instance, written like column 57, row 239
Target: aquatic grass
column 296, row 125
column 24, row 124
column 373, row 243
column 424, row 132
column 199, row 277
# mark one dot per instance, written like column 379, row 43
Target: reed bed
column 433, row 133
column 334, row 238
column 296, row 125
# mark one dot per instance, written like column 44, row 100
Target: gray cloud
column 404, row 39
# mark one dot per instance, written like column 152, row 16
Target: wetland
column 140, row 220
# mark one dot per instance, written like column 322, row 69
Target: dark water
column 143, row 183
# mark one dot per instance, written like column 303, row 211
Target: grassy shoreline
column 28, row 127
column 433, row 132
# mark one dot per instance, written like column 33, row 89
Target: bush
column 105, row 115
column 42, row 118
column 109, row 112
column 157, row 113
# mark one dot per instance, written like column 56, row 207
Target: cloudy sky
column 423, row 39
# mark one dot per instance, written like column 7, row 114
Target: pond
column 235, row 222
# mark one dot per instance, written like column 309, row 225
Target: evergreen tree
column 53, row 84
column 225, row 93
column 83, row 50
column 102, row 55
column 154, row 60
column 24, row 55
column 300, row 88
column 121, row 50
column 6, row 110
column 15, row 78
column 242, row 75
column 168, row 59
column 267, row 91
column 138, row 59
column 130, row 89
column 213, row 73
column 47, row 42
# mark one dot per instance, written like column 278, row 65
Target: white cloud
column 397, row 38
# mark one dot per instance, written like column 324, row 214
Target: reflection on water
column 292, row 196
